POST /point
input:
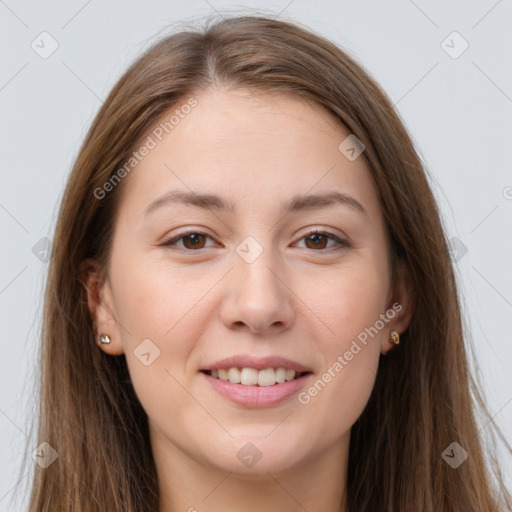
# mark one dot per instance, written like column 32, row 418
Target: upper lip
column 259, row 363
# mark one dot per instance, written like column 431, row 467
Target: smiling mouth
column 255, row 378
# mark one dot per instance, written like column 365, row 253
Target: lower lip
column 257, row 396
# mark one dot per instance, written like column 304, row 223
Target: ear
column 101, row 306
column 401, row 300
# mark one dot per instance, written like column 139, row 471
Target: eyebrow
column 215, row 202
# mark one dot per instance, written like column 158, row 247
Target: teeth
column 249, row 377
column 234, row 375
column 266, row 377
column 290, row 374
column 253, row 377
column 280, row 375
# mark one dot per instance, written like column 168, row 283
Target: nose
column 259, row 297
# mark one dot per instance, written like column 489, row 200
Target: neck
column 316, row 484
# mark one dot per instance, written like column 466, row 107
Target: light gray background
column 458, row 111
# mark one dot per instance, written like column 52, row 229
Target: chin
column 257, row 456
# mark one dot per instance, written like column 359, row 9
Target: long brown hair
column 425, row 396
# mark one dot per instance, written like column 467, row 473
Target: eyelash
column 342, row 244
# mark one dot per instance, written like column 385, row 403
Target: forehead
column 251, row 147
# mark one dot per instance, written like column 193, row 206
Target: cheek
column 348, row 300
column 154, row 298
column 161, row 313
column 350, row 351
column 350, row 304
column 153, row 307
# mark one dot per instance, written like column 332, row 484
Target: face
column 270, row 273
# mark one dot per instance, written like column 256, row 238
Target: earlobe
column 98, row 295
column 402, row 302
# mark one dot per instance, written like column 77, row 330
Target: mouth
column 252, row 377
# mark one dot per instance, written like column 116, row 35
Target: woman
column 251, row 303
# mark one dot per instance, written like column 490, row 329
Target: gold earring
column 104, row 338
column 394, row 337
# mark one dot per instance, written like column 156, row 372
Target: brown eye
column 319, row 239
column 196, row 241
column 192, row 240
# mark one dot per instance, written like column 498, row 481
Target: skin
column 302, row 298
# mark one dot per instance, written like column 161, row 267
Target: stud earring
column 104, row 338
column 394, row 337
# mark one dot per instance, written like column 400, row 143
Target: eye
column 193, row 240
column 318, row 240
